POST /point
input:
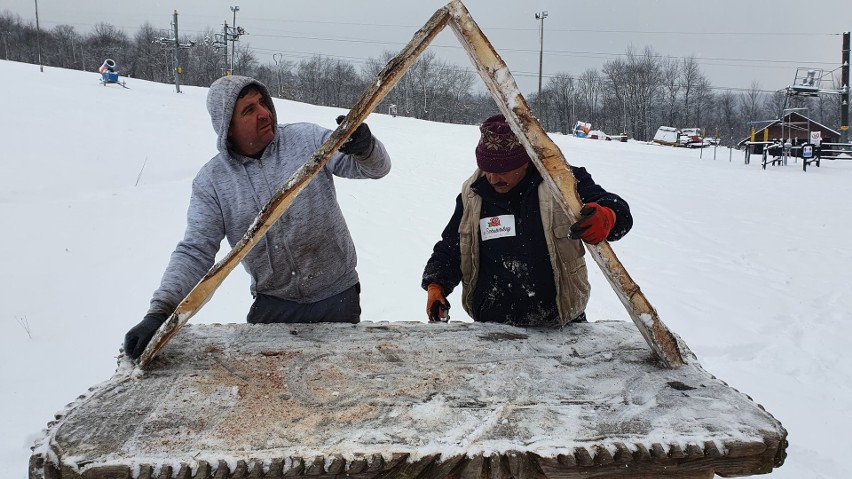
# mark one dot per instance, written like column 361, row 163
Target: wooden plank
column 283, row 198
column 304, row 405
column 413, row 470
column 557, row 174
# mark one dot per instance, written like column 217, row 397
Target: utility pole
column 844, row 92
column 234, row 38
column 175, row 42
column 38, row 39
column 540, row 16
column 225, row 40
column 231, row 33
column 177, row 47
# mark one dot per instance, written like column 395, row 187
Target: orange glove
column 595, row 223
column 437, row 306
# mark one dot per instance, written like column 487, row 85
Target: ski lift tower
column 810, row 82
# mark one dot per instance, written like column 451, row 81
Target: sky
column 734, row 42
column 748, row 266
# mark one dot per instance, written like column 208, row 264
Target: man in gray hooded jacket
column 303, row 268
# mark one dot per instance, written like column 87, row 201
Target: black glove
column 140, row 335
column 360, row 142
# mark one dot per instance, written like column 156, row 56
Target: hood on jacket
column 221, row 99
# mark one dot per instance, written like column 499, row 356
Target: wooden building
column 793, row 126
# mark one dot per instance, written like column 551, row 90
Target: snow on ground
column 748, row 265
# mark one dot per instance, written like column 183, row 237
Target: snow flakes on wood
column 408, row 400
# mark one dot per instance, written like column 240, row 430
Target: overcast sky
column 735, row 42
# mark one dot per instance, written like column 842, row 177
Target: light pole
column 540, row 16
column 38, row 39
column 234, row 9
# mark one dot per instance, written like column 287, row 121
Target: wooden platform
column 409, row 400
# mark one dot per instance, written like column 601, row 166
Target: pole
column 38, row 39
column 277, row 57
column 540, row 16
column 177, row 64
column 731, row 148
column 234, row 37
column 227, row 70
column 844, row 96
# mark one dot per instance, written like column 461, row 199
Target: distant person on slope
column 512, row 246
column 303, row 268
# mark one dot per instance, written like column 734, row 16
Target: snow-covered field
column 748, row 266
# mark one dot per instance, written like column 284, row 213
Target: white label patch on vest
column 497, row 227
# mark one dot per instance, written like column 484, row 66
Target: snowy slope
column 748, row 266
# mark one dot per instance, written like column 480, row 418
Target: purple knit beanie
column 499, row 150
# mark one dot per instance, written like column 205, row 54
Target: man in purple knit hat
column 511, row 245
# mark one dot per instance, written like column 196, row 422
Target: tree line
column 632, row 95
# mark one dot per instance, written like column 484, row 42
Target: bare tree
column 633, row 84
column 690, row 76
column 63, row 51
column 703, row 100
column 591, row 87
column 343, row 84
column 206, row 62
column 245, row 61
column 146, row 59
column 670, row 74
column 107, row 41
column 617, row 77
column 750, row 103
column 558, row 101
column 775, row 104
column 308, row 80
column 727, row 116
column 452, row 102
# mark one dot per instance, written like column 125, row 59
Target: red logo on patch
column 494, row 222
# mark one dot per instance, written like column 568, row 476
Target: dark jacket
column 516, row 281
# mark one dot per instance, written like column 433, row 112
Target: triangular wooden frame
column 545, row 155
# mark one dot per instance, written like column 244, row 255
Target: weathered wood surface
column 409, row 400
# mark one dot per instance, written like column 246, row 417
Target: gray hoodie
column 308, row 254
